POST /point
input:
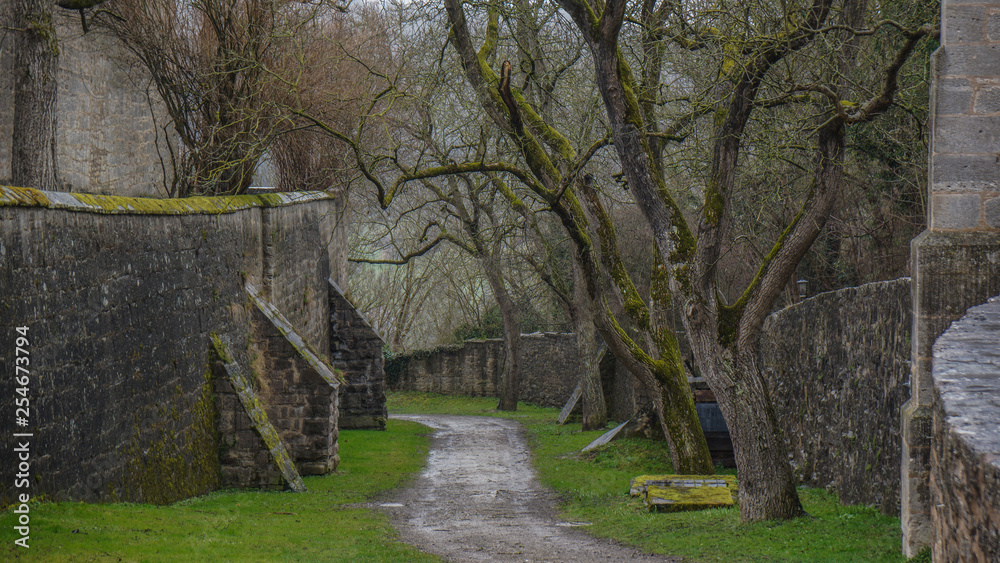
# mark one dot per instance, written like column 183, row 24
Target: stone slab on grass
column 674, row 493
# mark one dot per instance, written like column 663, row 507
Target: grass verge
column 594, row 488
column 326, row 523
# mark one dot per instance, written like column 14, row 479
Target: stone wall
column 299, row 391
column 109, row 136
column 356, row 350
column 550, row 369
column 838, row 366
column 965, row 438
column 251, row 453
column 955, row 261
column 121, row 297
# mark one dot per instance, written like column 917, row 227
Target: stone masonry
column 125, row 301
column 550, row 372
column 956, row 261
column 298, row 389
column 110, row 126
column 356, row 350
column 965, row 442
column 838, row 367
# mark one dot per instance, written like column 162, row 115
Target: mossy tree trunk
column 510, row 379
column 725, row 337
column 509, row 110
column 666, row 382
column 595, row 410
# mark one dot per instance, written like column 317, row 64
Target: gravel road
column 479, row 500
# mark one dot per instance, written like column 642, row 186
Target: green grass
column 594, row 488
column 326, row 523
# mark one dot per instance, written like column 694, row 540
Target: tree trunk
column 510, row 379
column 595, row 409
column 35, row 94
column 767, row 486
column 672, row 400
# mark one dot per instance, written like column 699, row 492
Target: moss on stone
column 676, row 499
column 671, row 493
column 22, row 197
column 170, row 469
column 28, row 197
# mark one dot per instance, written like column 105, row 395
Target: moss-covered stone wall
column 838, row 366
column 120, row 296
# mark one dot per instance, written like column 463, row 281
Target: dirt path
column 479, row 500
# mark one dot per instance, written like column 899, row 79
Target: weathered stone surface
column 549, row 367
column 965, row 173
column 965, row 439
column 674, row 493
column 109, row 132
column 550, row 371
column 356, row 350
column 955, row 211
column 246, row 432
column 952, row 270
column 964, row 24
column 954, row 96
column 120, row 296
column 838, row 365
column 298, row 390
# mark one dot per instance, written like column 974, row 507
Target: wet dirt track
column 479, row 500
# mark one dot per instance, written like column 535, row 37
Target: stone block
column 955, row 211
column 967, row 134
column 963, row 24
column 969, row 61
column 991, row 212
column 965, row 173
column 993, row 27
column 674, row 493
column 953, row 96
column 987, row 100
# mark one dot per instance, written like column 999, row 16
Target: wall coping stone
column 966, row 374
column 11, row 196
column 258, row 416
column 301, row 346
column 359, row 314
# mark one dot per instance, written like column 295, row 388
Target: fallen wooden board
column 571, row 403
column 605, row 438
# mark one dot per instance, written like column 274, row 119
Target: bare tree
column 725, row 336
column 208, row 60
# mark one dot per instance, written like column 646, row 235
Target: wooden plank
column 605, row 438
column 571, row 403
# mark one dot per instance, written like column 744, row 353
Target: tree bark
column 36, row 63
column 510, row 379
column 595, row 409
column 672, row 400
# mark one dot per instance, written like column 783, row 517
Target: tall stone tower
column 956, row 261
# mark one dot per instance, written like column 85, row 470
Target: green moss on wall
column 175, row 467
column 22, row 197
column 28, row 197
